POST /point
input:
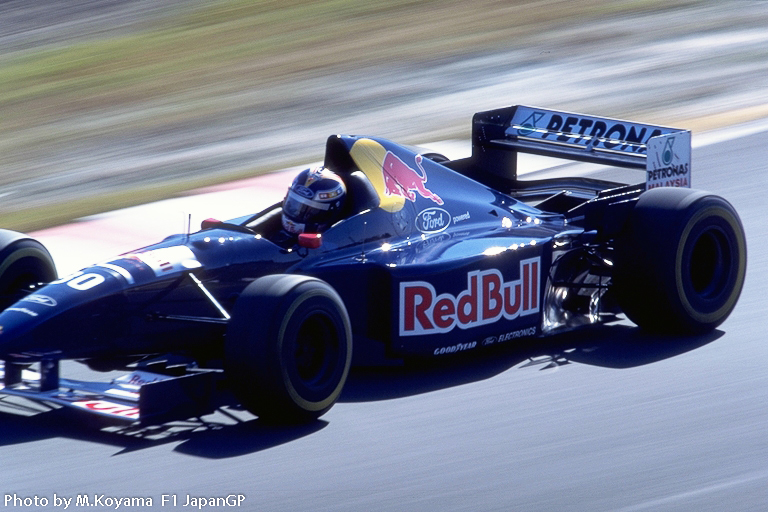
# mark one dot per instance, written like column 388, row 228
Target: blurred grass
column 267, row 41
column 232, row 45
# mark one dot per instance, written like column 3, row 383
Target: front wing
column 137, row 397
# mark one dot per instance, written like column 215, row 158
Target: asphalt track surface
column 607, row 419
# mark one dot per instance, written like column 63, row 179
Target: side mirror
column 210, row 223
column 310, row 240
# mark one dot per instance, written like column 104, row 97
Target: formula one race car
column 432, row 257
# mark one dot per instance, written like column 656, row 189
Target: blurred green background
column 201, row 70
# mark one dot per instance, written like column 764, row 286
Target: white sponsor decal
column 41, row 299
column 23, row 310
column 520, row 333
column 583, row 130
column 459, row 218
column 81, row 281
column 168, row 259
column 669, row 161
column 459, row 347
column 433, row 220
column 486, row 299
column 119, row 270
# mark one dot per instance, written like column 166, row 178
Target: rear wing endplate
column 498, row 135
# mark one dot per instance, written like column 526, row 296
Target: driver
column 313, row 202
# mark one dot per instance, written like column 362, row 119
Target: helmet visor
column 301, row 209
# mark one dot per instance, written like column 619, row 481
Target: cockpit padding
column 361, row 195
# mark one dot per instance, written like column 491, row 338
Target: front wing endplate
column 139, row 397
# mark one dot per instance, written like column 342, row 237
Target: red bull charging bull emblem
column 402, row 180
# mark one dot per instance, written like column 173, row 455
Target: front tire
column 288, row 348
column 680, row 262
column 23, row 262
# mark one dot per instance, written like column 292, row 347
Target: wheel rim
column 316, row 352
column 710, row 260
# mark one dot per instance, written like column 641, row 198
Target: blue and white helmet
column 314, row 201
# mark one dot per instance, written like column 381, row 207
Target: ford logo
column 433, row 220
column 41, row 299
column 303, row 191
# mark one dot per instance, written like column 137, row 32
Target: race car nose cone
column 61, row 316
column 14, row 332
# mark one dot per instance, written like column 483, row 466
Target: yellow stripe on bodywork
column 369, row 157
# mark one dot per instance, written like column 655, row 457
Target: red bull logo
column 402, row 180
column 487, row 299
column 394, row 180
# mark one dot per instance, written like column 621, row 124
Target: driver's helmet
column 313, row 201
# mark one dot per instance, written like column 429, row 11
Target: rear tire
column 23, row 262
column 680, row 261
column 288, row 348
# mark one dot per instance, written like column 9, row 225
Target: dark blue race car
column 431, row 257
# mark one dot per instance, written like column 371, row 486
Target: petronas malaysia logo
column 668, row 154
column 528, row 126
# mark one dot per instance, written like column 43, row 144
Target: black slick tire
column 23, row 262
column 680, row 261
column 288, row 348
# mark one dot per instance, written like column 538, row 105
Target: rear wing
column 498, row 135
